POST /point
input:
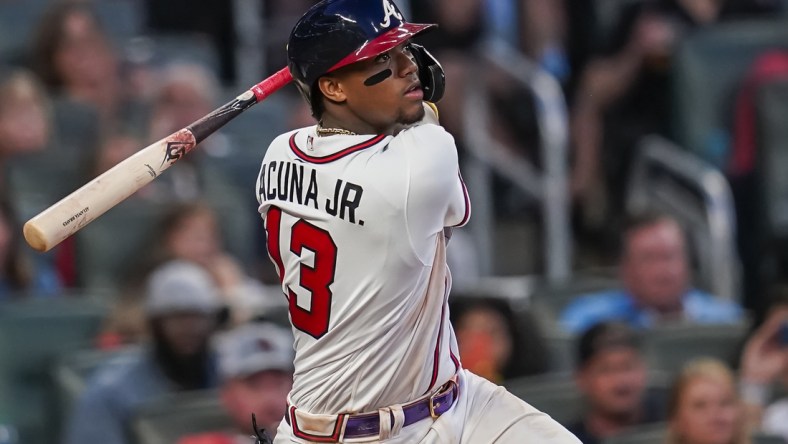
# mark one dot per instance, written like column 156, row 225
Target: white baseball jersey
column 355, row 229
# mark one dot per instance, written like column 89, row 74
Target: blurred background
column 625, row 158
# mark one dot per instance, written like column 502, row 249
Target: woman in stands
column 704, row 407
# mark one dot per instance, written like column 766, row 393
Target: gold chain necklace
column 331, row 131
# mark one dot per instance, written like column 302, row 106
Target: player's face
column 263, row 393
column 384, row 91
column 614, row 381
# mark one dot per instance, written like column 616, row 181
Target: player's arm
column 435, row 197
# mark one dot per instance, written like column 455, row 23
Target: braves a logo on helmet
column 390, row 11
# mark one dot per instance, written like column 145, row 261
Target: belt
column 368, row 424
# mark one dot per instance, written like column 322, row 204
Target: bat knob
column 35, row 237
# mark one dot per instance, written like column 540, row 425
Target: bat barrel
column 84, row 205
column 93, row 199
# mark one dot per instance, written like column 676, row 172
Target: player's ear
column 331, row 89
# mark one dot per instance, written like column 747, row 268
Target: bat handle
column 271, row 84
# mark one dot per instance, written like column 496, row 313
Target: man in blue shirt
column 655, row 275
column 182, row 307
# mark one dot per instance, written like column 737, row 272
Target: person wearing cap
column 611, row 374
column 181, row 306
column 256, row 370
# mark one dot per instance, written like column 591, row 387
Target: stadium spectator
column 764, row 369
column 655, row 274
column 19, row 275
column 186, row 92
column 181, row 308
column 623, row 93
column 704, row 406
column 256, row 368
column 190, row 231
column 612, row 375
column 495, row 344
column 24, row 114
column 76, row 60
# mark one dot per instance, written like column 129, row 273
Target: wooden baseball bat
column 73, row 212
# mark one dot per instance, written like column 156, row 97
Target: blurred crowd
column 190, row 312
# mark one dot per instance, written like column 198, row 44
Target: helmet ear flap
column 431, row 75
column 435, row 84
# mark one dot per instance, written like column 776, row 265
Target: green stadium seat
column 561, row 347
column 169, row 418
column 669, row 348
column 554, row 298
column 647, row 434
column 33, row 334
column 709, row 66
column 554, row 393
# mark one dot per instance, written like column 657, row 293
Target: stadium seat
column 169, row 418
column 670, row 348
column 647, row 434
column 554, row 393
column 33, row 334
column 554, row 298
column 561, row 347
column 709, row 66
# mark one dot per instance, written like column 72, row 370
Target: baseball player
column 356, row 210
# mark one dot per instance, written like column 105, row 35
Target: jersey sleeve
column 436, row 196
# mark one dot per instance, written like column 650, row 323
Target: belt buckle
column 432, row 406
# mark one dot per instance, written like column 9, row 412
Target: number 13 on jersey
column 315, row 279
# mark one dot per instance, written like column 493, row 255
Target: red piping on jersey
column 436, row 355
column 338, row 155
column 467, row 202
column 272, row 222
column 317, row 438
column 456, row 361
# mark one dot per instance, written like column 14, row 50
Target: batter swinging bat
column 84, row 205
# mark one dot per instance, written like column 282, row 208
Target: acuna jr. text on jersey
column 297, row 183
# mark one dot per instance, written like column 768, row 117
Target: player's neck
column 350, row 123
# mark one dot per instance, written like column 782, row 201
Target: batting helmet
column 336, row 33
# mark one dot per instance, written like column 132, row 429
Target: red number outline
column 316, row 279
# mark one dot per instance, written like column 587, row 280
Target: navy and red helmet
column 336, row 33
